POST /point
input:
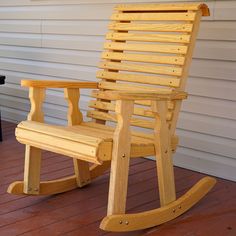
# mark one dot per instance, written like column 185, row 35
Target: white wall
column 59, row 39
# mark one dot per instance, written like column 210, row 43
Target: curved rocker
column 58, row 185
column 147, row 219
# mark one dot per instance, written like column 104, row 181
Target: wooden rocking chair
column 143, row 74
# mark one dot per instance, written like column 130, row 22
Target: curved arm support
column 36, row 96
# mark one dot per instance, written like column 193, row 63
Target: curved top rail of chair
column 164, row 7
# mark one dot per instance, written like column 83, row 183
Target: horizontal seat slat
column 151, row 27
column 112, row 117
column 176, row 49
column 55, row 141
column 61, row 132
column 164, row 70
column 172, row 60
column 137, row 78
column 172, row 16
column 137, row 110
column 169, row 38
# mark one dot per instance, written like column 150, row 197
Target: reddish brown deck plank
column 80, row 211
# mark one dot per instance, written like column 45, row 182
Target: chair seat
column 88, row 141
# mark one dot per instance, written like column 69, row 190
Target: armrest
column 141, row 95
column 72, row 94
column 58, row 84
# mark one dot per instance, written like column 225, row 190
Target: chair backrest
column 148, row 47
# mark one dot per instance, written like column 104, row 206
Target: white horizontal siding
column 58, row 39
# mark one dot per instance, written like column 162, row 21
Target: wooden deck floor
column 79, row 212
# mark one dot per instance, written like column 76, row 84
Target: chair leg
column 32, row 170
column 82, row 172
column 120, row 159
column 165, row 170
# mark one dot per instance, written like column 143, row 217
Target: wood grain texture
column 176, row 49
column 119, row 148
column 151, row 27
column 75, row 117
column 153, row 16
column 165, row 169
column 138, row 78
column 174, row 60
column 168, row 38
column 149, row 94
column 33, row 154
column 74, row 214
column 57, row 84
column 147, row 219
column 164, row 70
column 120, row 159
column 165, row 7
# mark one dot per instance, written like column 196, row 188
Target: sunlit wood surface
column 80, row 211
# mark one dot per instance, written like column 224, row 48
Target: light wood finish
column 148, row 103
column 71, row 142
column 173, row 60
column 108, row 128
column 157, row 94
column 153, row 80
column 144, row 69
column 147, row 137
column 36, row 96
column 149, row 37
column 33, row 154
column 185, row 71
column 47, row 187
column 137, row 110
column 113, row 117
column 203, row 8
column 146, row 48
column 147, row 219
column 98, row 170
column 153, row 16
column 164, row 70
column 75, row 117
column 58, row 185
column 85, row 142
column 57, row 84
column 131, row 87
column 165, row 171
column 151, row 27
column 120, row 159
